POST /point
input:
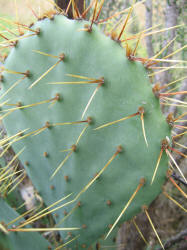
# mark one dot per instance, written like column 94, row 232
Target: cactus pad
column 85, row 112
column 18, row 240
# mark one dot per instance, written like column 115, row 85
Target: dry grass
column 7, row 8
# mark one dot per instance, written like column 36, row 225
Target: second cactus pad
column 86, row 123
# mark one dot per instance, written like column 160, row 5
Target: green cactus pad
column 13, row 198
column 126, row 88
column 18, row 240
column 110, row 242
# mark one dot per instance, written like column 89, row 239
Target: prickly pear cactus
column 17, row 240
column 85, row 123
column 110, row 242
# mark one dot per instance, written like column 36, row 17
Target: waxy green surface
column 18, row 240
column 126, row 88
